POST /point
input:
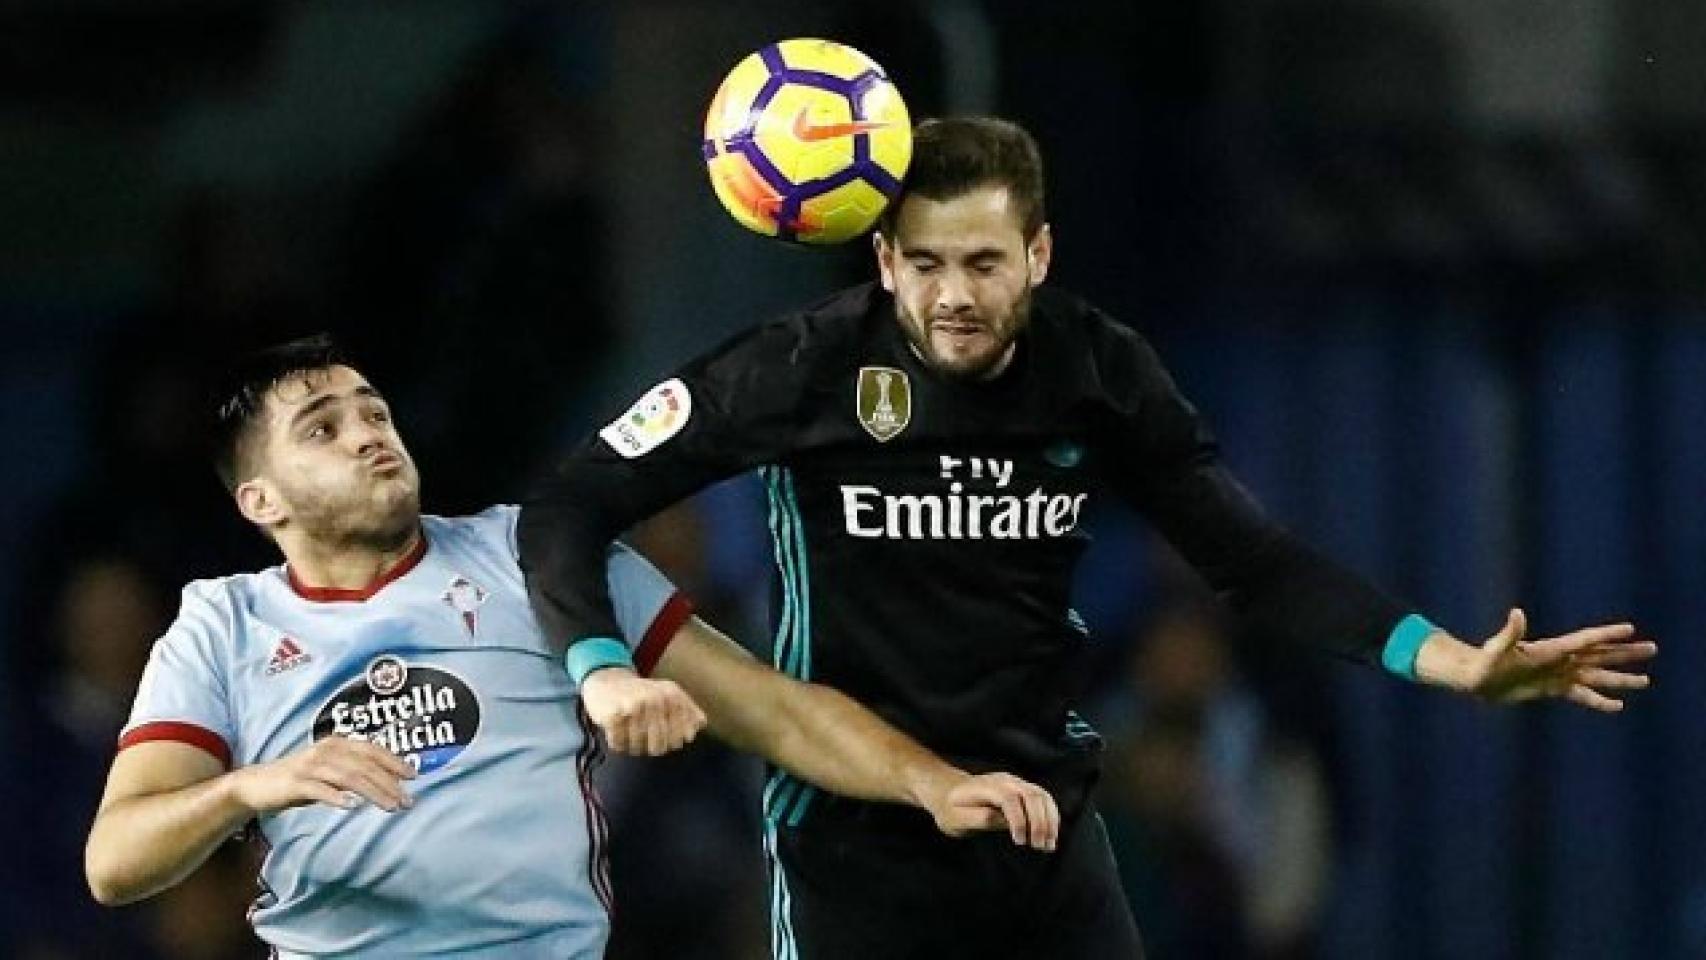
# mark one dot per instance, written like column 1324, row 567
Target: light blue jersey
column 502, row 854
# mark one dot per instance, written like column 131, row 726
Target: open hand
column 1578, row 667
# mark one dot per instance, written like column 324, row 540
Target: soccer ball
column 807, row 140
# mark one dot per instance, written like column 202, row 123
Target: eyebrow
column 981, row 253
column 325, row 400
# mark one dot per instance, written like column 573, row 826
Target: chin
column 966, row 366
column 395, row 516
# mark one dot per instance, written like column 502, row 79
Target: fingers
column 389, row 762
column 1581, row 640
column 649, row 718
column 993, row 800
column 1043, row 815
column 1593, row 699
column 992, row 793
column 1601, row 679
column 690, row 719
column 1053, row 819
column 1017, row 816
column 672, row 720
column 657, row 735
column 616, row 734
column 378, row 789
column 1618, row 654
column 316, row 792
column 975, row 819
column 1515, row 628
column 362, row 772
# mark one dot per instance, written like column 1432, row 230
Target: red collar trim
column 410, row 560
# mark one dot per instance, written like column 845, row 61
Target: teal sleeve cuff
column 1404, row 643
column 596, row 653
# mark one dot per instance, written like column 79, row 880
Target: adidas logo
column 288, row 655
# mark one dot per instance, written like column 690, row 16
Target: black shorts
column 858, row 881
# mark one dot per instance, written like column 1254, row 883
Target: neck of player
column 347, row 566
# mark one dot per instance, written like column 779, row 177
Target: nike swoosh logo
column 806, row 130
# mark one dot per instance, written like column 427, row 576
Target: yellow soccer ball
column 807, row 140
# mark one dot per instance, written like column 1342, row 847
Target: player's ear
column 885, row 259
column 1038, row 253
column 260, row 503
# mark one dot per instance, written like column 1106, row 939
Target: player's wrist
column 603, row 676
column 1442, row 660
column 929, row 783
column 594, row 655
column 1403, row 646
column 238, row 793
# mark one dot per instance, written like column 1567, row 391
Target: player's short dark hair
column 956, row 155
column 241, row 395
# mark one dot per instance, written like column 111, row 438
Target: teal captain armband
column 1404, row 644
column 596, row 653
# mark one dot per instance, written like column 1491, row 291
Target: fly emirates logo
column 958, row 515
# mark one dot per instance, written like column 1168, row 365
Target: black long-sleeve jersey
column 926, row 529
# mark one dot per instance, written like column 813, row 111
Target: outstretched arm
column 1578, row 666
column 823, row 736
column 1166, row 463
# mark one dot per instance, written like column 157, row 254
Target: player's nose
column 953, row 295
column 369, row 440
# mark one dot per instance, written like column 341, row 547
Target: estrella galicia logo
column 426, row 715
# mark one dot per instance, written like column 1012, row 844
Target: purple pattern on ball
column 821, row 80
column 766, row 94
column 748, row 148
column 863, row 83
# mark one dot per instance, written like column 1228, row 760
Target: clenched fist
column 645, row 718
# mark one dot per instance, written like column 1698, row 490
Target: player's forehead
column 317, row 388
column 982, row 217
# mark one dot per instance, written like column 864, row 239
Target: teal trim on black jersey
column 783, row 946
column 1078, row 729
column 786, row 798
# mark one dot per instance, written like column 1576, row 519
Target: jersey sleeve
column 647, row 605
column 183, row 693
column 1160, row 457
column 722, row 414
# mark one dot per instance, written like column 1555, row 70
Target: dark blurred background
column 1431, row 267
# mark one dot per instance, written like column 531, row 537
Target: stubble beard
column 1015, row 320
column 363, row 520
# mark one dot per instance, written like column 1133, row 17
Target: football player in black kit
column 929, row 445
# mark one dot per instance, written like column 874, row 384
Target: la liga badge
column 653, row 419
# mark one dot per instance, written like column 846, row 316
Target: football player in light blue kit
column 385, row 712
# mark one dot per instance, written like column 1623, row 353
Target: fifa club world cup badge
column 465, row 597
column 884, row 402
